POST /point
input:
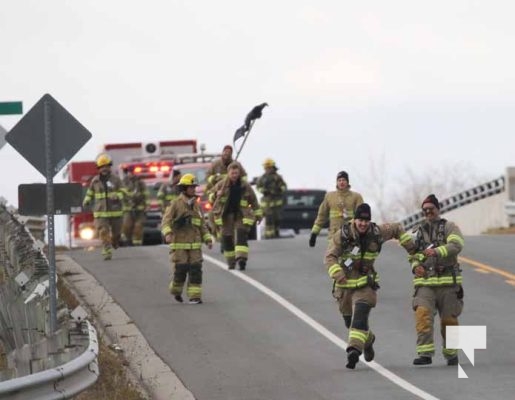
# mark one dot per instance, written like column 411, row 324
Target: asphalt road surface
column 274, row 331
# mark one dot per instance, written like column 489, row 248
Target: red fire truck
column 153, row 162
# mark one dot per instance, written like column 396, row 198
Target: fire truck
column 152, row 162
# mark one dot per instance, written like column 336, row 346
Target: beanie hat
column 363, row 212
column 431, row 199
column 229, row 147
column 343, row 174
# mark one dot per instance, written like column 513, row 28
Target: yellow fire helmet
column 268, row 163
column 188, row 180
column 103, row 160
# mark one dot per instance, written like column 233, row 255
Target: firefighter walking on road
column 336, row 208
column 106, row 192
column 218, row 169
column 184, row 228
column 437, row 281
column 235, row 209
column 272, row 187
column 169, row 191
column 136, row 203
column 350, row 259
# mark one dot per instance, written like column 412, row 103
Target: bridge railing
column 39, row 363
column 465, row 197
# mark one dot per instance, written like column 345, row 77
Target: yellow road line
column 512, row 283
column 482, row 271
column 484, row 267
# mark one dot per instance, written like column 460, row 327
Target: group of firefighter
column 354, row 242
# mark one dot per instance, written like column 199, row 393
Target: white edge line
column 323, row 330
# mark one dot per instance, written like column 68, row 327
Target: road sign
column 48, row 136
column 11, row 107
column 67, row 135
column 2, row 136
column 68, row 198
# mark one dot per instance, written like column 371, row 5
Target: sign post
column 48, row 126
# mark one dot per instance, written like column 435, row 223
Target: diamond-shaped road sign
column 67, row 135
column 2, row 136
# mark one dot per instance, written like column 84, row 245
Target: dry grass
column 501, row 231
column 113, row 382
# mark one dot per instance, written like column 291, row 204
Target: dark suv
column 300, row 208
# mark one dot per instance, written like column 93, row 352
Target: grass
column 114, row 382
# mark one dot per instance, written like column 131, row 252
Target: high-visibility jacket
column 137, row 197
column 337, row 207
column 166, row 194
column 185, row 222
column 107, row 197
column 248, row 207
column 272, row 187
column 443, row 269
column 355, row 255
column 218, row 171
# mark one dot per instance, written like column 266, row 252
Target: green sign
column 11, row 107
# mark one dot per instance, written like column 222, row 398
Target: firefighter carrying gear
column 337, row 207
column 438, row 283
column 235, row 209
column 105, row 191
column 135, row 205
column 184, row 229
column 350, row 259
column 272, row 187
column 168, row 191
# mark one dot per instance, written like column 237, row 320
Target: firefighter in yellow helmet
column 136, row 204
column 105, row 191
column 184, row 228
column 272, row 187
column 235, row 209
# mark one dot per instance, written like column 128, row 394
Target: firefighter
column 106, row 192
column 169, row 191
column 337, row 207
column 350, row 259
column 136, row 204
column 272, row 186
column 183, row 227
column 218, row 169
column 235, row 208
column 437, row 281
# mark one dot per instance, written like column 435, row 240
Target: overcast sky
column 420, row 83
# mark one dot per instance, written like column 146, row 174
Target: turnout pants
column 231, row 224
column 133, row 222
column 109, row 230
column 272, row 222
column 187, row 268
column 427, row 300
column 355, row 306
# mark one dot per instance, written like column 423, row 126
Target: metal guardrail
column 460, row 199
column 40, row 364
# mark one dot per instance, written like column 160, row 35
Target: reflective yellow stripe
column 335, row 213
column 166, row 230
column 455, row 238
column 241, row 249
column 316, row 229
column 426, row 348
column 333, row 269
column 357, row 335
column 442, row 251
column 229, row 254
column 185, row 246
column 264, row 203
column 356, row 283
column 207, row 237
column 258, row 212
column 244, row 203
column 248, row 221
column 405, row 237
column 108, row 214
column 437, row 281
column 218, row 221
column 196, row 221
column 449, row 352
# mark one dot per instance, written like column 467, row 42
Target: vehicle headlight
column 87, row 233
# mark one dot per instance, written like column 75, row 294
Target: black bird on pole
column 254, row 114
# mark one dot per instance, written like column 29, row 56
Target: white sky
column 421, row 83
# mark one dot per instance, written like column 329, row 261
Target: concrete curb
column 156, row 376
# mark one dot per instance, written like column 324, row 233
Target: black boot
column 242, row 264
column 369, row 352
column 352, row 357
column 422, row 360
column 453, row 361
column 178, row 297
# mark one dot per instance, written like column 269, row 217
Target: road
column 274, row 332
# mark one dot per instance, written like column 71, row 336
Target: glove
column 312, row 240
column 419, row 271
column 340, row 277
